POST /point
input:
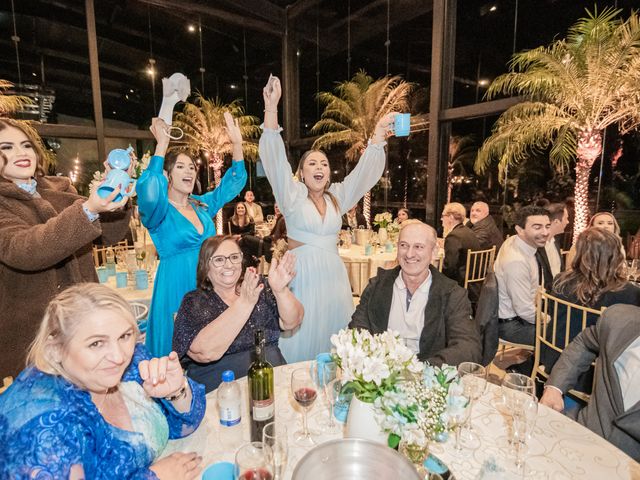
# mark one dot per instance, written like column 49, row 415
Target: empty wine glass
column 254, row 461
column 474, row 382
column 524, row 416
column 517, row 390
column 329, row 371
column 458, row 413
column 275, row 435
column 303, row 387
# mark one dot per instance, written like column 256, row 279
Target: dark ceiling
column 242, row 41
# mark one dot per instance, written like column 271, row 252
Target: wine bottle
column 261, row 391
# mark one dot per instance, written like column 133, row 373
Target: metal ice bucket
column 362, row 236
column 352, row 458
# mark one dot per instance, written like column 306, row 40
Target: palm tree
column 574, row 89
column 462, row 154
column 204, row 134
column 352, row 112
column 11, row 103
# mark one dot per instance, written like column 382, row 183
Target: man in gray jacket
column 431, row 312
column 613, row 411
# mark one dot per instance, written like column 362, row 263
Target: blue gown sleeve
column 180, row 424
column 232, row 183
column 151, row 189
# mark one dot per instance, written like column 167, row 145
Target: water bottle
column 229, row 408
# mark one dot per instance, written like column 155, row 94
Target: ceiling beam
column 222, row 15
column 260, row 8
column 300, row 7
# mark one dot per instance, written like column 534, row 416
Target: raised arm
column 152, row 186
column 369, row 169
column 273, row 155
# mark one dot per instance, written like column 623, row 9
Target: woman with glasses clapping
column 215, row 325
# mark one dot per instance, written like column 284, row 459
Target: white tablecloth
column 131, row 294
column 560, row 448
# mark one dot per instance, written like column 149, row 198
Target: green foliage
column 205, row 129
column 352, row 112
column 573, row 87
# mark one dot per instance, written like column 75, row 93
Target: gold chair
column 479, row 263
column 6, row 383
column 358, row 272
column 547, row 330
column 100, row 253
column 438, row 262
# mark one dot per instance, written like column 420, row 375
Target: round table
column 130, row 293
column 560, row 448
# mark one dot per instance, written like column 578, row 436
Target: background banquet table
column 131, row 294
column 361, row 267
column 559, row 449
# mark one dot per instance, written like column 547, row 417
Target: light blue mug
column 402, row 124
column 219, row 471
column 321, row 360
column 111, row 269
column 116, row 178
column 368, row 249
column 103, row 275
column 388, row 247
column 142, row 280
column 121, row 279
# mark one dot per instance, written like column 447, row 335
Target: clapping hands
column 282, row 271
column 251, row 287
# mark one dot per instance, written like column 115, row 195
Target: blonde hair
column 456, row 210
column 303, row 158
column 616, row 227
column 62, row 317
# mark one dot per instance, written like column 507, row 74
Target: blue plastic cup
column 103, row 275
column 402, row 124
column 142, row 280
column 219, row 471
column 388, row 247
column 115, row 179
column 121, row 279
column 111, row 269
column 368, row 249
column 321, row 360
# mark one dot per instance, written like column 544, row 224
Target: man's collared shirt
column 628, row 369
column 407, row 311
column 516, row 271
column 553, row 254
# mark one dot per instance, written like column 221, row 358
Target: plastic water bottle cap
column 228, row 376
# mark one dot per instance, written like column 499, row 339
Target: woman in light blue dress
column 178, row 223
column 313, row 209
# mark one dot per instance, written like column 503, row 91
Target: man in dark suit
column 429, row 311
column 613, row 411
column 457, row 242
column 484, row 226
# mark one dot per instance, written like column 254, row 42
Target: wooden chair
column 479, row 263
column 358, row 271
column 549, row 309
column 6, row 382
column 564, row 254
column 438, row 262
column 140, row 310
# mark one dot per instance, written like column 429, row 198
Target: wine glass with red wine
column 304, row 390
column 254, row 461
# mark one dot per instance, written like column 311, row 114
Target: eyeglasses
column 220, row 260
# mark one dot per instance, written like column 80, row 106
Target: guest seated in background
column 92, row 403
column 550, row 256
column 353, row 219
column 484, row 226
column 430, row 311
column 598, row 278
column 613, row 411
column 254, row 210
column 603, row 220
column 457, row 242
column 519, row 277
column 241, row 223
column 215, row 325
column 403, row 214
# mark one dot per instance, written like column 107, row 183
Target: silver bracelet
column 182, row 393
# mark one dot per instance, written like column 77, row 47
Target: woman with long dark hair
column 179, row 222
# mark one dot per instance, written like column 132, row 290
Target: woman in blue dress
column 178, row 223
column 313, row 209
column 92, row 403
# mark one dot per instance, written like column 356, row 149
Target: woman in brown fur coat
column 46, row 230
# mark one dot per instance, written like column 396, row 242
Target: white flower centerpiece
column 410, row 399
